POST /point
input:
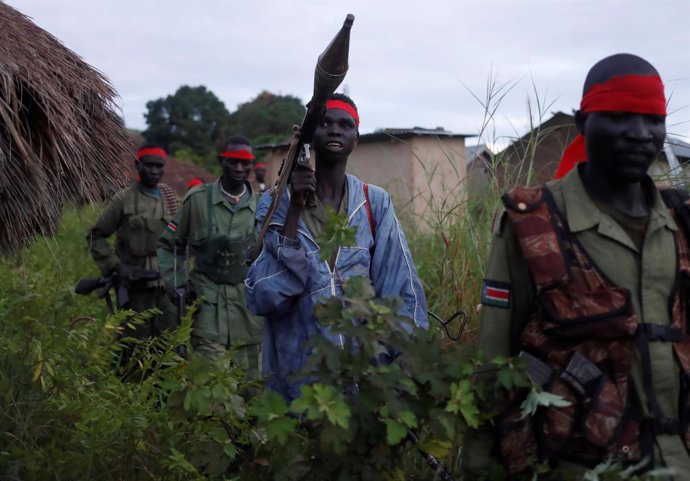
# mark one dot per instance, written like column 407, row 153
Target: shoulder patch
column 172, row 226
column 495, row 294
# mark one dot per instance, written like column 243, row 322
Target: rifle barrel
column 87, row 285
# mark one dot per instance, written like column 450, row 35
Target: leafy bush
column 67, row 413
column 388, row 384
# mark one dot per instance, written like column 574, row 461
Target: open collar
column 582, row 213
column 217, row 197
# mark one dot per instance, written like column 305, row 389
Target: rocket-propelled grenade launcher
column 330, row 71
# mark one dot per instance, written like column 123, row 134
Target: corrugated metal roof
column 387, row 134
column 474, row 150
column 680, row 147
column 397, row 133
column 279, row 145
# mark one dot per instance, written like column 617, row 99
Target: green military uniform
column 649, row 274
column 137, row 215
column 315, row 214
column 218, row 234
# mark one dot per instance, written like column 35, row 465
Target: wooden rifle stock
column 330, row 71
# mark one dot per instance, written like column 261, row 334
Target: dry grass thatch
column 61, row 138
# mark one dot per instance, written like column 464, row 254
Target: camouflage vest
column 142, row 225
column 219, row 257
column 578, row 310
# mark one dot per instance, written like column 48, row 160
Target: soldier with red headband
column 216, row 226
column 259, row 181
column 287, row 279
column 587, row 281
column 138, row 215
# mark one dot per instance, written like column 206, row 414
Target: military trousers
column 141, row 300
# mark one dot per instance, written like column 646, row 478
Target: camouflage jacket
column 138, row 216
column 563, row 277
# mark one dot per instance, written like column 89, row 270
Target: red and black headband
column 638, row 94
column 243, row 154
column 260, row 165
column 342, row 105
column 141, row 153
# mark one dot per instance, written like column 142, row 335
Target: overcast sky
column 412, row 62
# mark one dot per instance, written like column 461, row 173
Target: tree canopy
column 268, row 117
column 192, row 118
column 192, row 123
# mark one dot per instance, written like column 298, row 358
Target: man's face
column 336, row 135
column 623, row 145
column 236, row 171
column 150, row 168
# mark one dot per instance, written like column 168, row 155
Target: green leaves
column 272, row 412
column 267, row 118
column 192, row 118
column 511, row 372
column 462, row 400
column 435, row 447
column 397, row 426
column 186, row 419
column 537, row 398
column 393, row 377
column 319, row 401
column 395, row 431
column 336, row 233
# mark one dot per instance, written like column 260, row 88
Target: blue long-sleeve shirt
column 288, row 277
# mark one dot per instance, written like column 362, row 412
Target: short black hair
column 151, row 145
column 236, row 140
column 616, row 66
column 344, row 98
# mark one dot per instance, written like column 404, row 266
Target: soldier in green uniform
column 138, row 214
column 216, row 223
column 583, row 280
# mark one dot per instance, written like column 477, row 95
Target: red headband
column 639, row 94
column 151, row 151
column 237, row 154
column 194, row 183
column 339, row 104
column 260, row 165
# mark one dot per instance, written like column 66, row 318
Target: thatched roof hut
column 61, row 138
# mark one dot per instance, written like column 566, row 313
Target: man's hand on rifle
column 302, row 183
column 130, row 274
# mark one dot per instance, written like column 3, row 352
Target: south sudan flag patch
column 172, row 227
column 496, row 294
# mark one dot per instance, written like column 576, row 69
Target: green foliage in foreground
column 66, row 413
column 387, row 379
